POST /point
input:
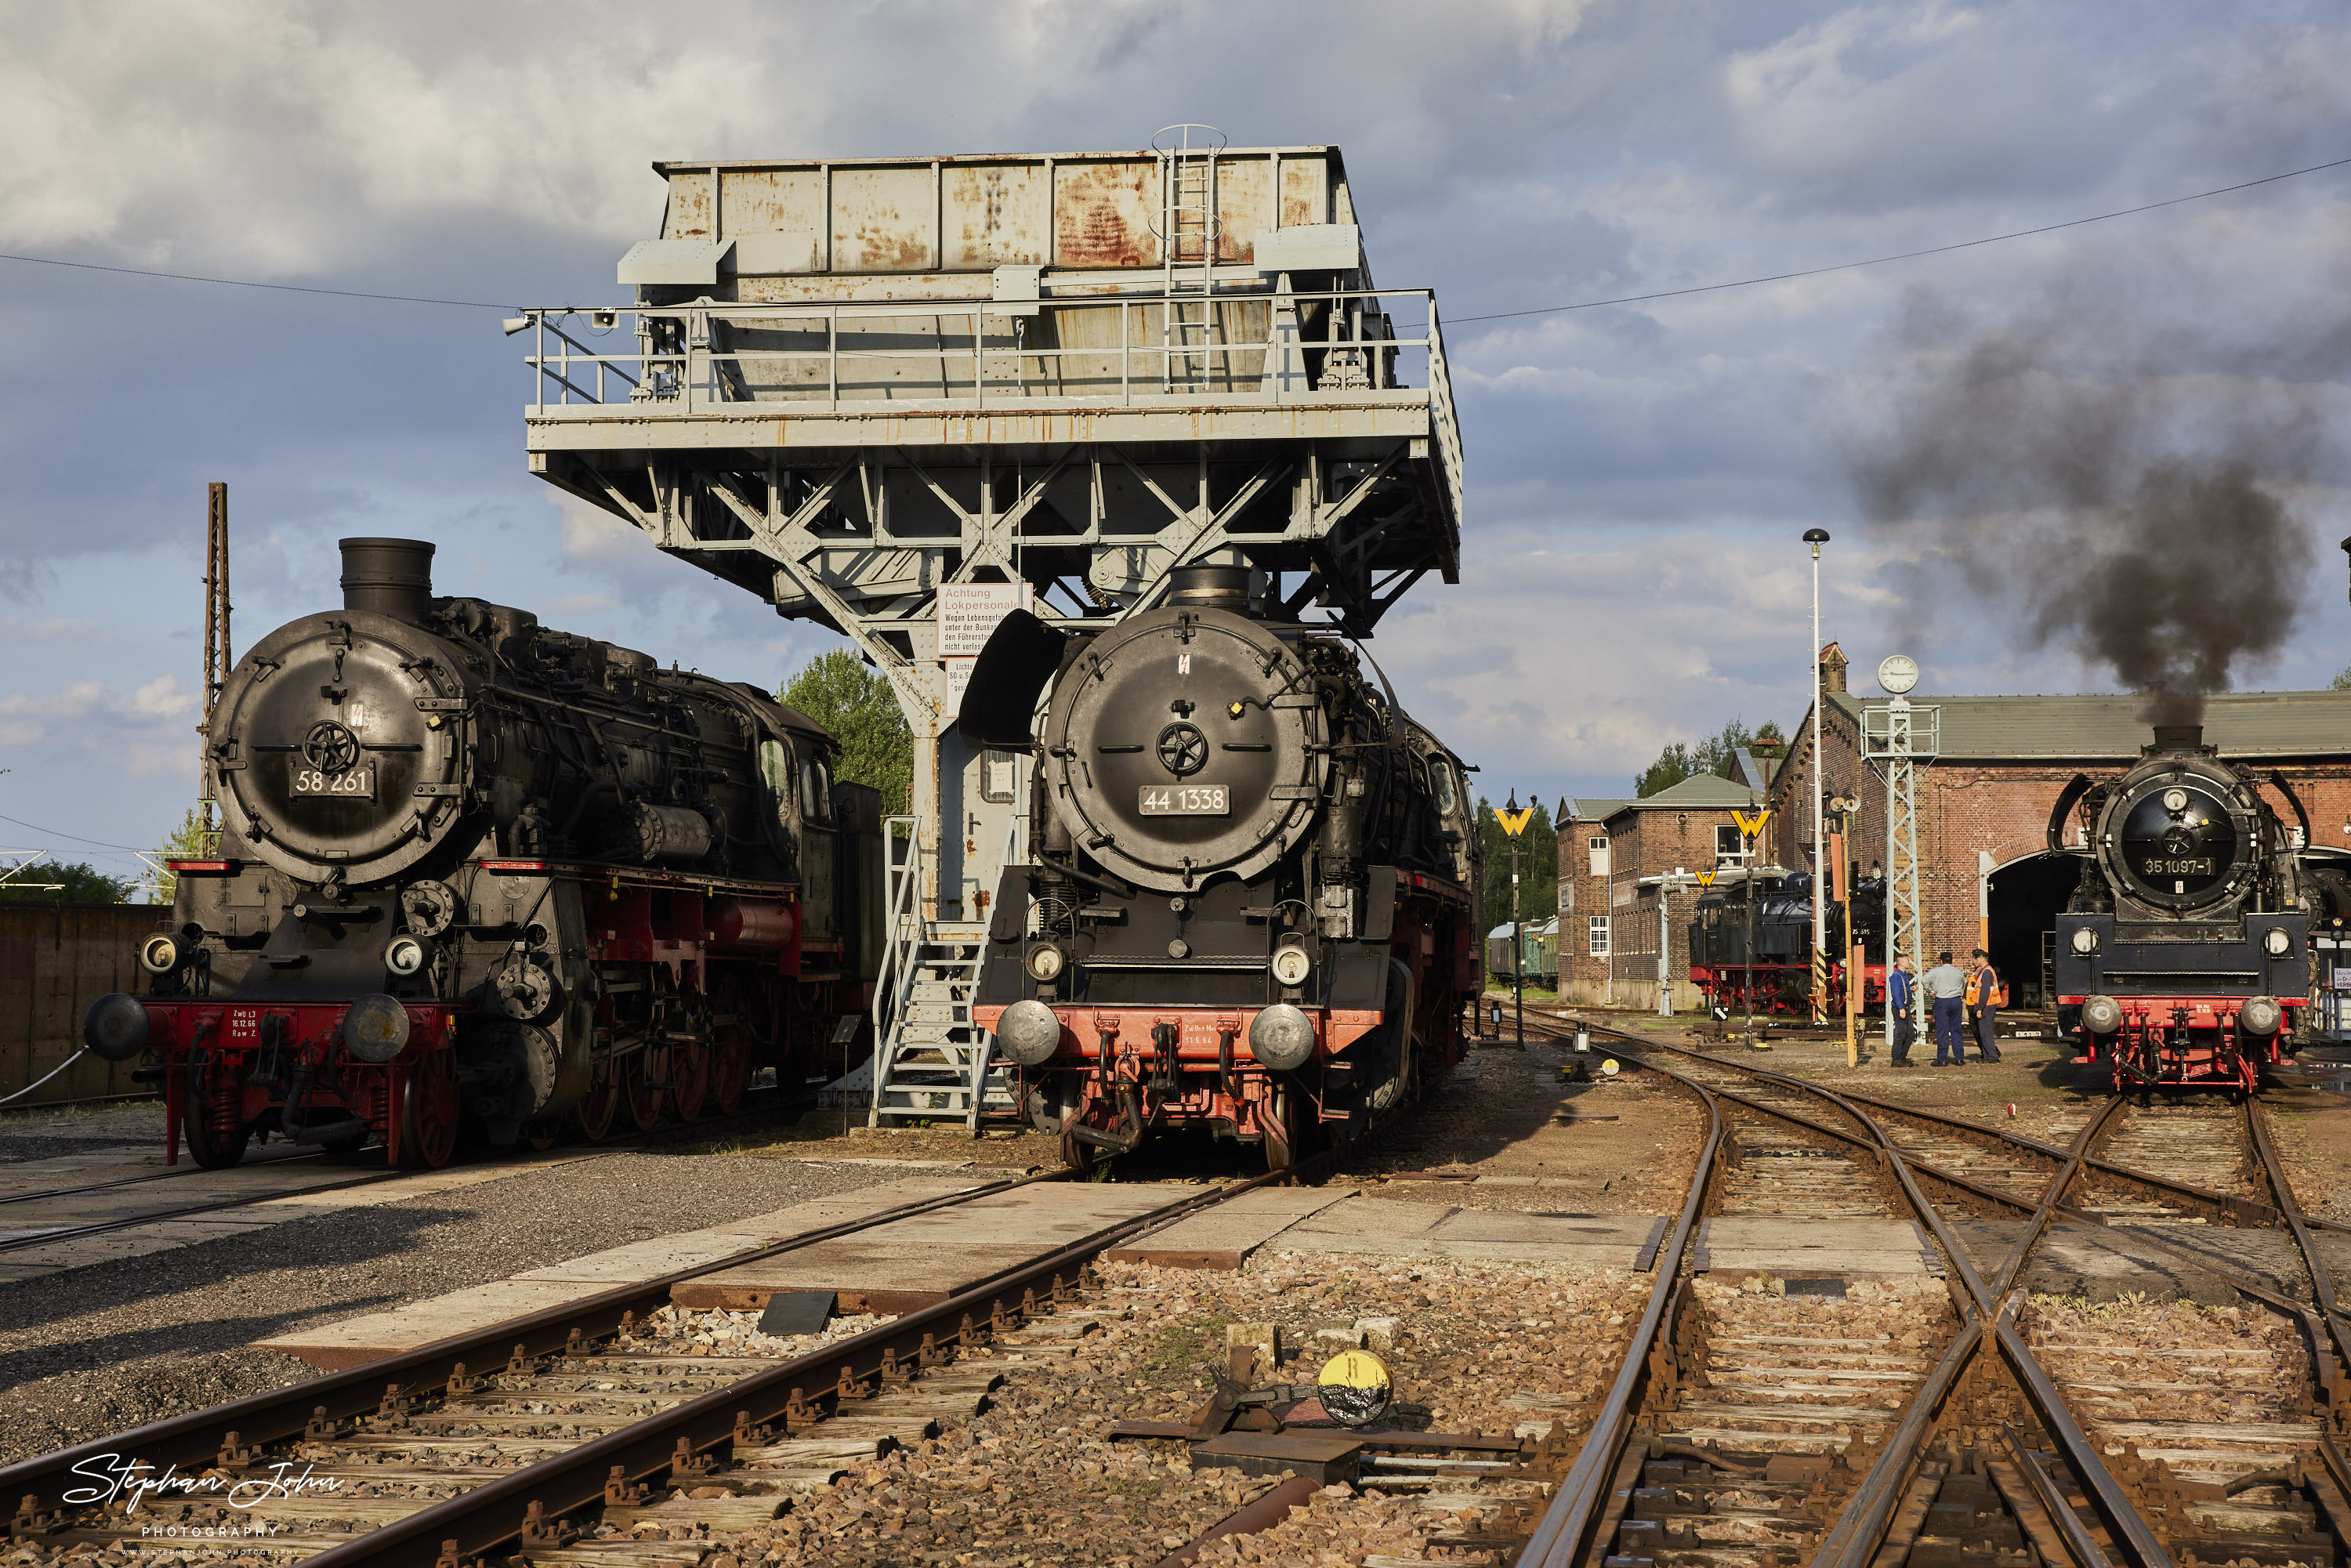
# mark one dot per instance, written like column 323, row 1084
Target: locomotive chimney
column 1211, row 588
column 390, row 577
column 2179, row 738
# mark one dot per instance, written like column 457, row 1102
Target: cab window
column 775, row 773
column 815, row 791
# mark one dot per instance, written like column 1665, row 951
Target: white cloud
column 146, row 732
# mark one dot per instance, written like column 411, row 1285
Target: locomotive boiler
column 479, row 875
column 1251, row 905
column 2185, row 947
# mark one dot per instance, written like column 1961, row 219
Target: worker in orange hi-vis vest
column 1983, row 999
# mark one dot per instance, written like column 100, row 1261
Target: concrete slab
column 1378, row 1226
column 2108, row 1263
column 1782, row 1245
column 1224, row 1236
column 917, row 1262
column 357, row 1341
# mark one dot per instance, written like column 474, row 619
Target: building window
column 1596, row 935
column 1566, row 897
column 1727, row 850
column 1598, row 846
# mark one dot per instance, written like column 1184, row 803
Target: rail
column 1564, row 1537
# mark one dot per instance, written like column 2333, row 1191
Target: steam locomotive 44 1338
column 1761, row 956
column 1252, row 897
column 478, row 873
column 2186, row 945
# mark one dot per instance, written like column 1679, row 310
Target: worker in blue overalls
column 1900, row 993
column 1945, row 988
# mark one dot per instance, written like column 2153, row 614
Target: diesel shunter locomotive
column 475, row 873
column 2185, row 946
column 1251, row 901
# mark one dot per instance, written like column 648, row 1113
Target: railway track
column 1781, row 1428
column 604, row 1432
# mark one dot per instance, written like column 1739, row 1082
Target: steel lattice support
column 1897, row 739
column 218, row 658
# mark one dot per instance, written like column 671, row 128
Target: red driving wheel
column 428, row 1113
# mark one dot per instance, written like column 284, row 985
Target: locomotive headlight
column 407, row 955
column 2260, row 1015
column 1291, row 964
column 2276, row 943
column 116, row 1027
column 1045, row 962
column 2086, row 942
column 2102, row 1015
column 1281, row 1037
column 2175, row 800
column 1029, row 1032
column 159, row 955
column 375, row 1028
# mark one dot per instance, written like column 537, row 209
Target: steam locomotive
column 1251, row 902
column 2186, row 945
column 480, row 877
column 1762, row 955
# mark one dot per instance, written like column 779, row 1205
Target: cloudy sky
column 1639, row 474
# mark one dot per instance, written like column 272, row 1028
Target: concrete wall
column 55, row 960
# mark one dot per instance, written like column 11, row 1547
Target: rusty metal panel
column 776, row 218
column 689, row 213
column 1306, row 193
column 55, row 960
column 997, row 215
column 885, row 219
column 1105, row 211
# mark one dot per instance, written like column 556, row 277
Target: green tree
column 188, row 841
column 2341, row 681
column 83, row 884
column 1716, row 754
column 842, row 691
column 1538, row 866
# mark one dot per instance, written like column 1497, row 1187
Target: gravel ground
column 1477, row 1347
column 100, row 1349
column 2135, row 1360
column 45, row 1132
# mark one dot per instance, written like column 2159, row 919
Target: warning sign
column 967, row 613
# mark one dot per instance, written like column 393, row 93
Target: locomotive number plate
column 353, row 784
column 1186, row 800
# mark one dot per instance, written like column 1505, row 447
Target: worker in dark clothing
column 1901, row 994
column 1982, row 997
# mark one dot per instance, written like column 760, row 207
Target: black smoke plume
column 2104, row 487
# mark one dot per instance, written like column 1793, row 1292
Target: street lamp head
column 1514, row 803
column 1816, row 537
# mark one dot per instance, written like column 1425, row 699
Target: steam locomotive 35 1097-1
column 1761, row 957
column 477, row 873
column 1251, row 902
column 2186, row 946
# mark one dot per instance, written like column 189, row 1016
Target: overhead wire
column 1457, row 320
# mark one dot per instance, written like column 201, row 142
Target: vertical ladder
column 1188, row 333
column 931, row 1060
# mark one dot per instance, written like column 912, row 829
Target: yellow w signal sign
column 1706, row 879
column 1751, row 827
column 1514, row 822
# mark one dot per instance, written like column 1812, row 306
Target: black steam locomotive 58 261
column 475, row 873
column 1251, row 901
column 1751, row 945
column 2186, row 947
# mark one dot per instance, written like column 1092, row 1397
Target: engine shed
column 901, row 397
column 1989, row 877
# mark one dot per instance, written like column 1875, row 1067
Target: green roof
column 2106, row 726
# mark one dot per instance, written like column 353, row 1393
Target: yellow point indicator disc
column 1355, row 1387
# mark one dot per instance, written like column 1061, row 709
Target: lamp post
column 1816, row 537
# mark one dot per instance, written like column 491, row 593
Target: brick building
column 1984, row 801
column 1610, row 857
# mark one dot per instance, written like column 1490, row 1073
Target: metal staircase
column 931, row 1062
